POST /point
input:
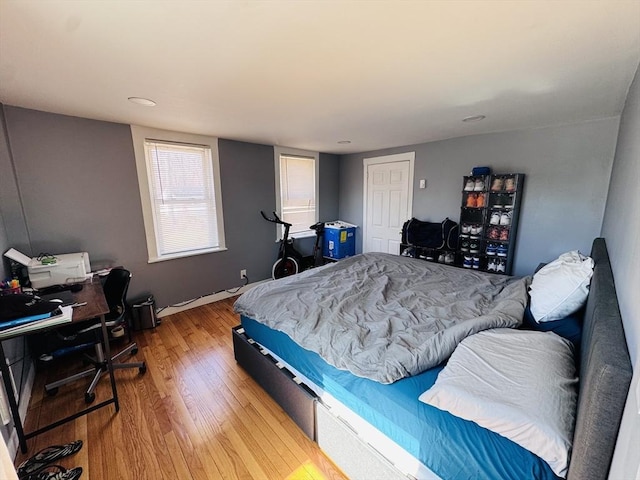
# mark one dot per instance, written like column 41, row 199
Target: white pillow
column 561, row 287
column 520, row 384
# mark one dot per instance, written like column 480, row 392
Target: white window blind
column 298, row 191
column 183, row 199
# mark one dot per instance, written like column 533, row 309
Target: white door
column 388, row 198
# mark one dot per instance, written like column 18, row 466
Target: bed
column 377, row 428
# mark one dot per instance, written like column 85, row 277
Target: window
column 179, row 183
column 297, row 187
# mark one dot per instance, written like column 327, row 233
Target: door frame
column 398, row 157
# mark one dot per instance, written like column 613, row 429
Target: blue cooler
column 339, row 240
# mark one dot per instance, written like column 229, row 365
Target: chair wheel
column 89, row 397
column 52, row 391
column 143, row 369
column 134, row 351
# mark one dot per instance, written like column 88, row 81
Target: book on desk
column 20, row 326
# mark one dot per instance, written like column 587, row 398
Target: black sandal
column 61, row 473
column 47, row 456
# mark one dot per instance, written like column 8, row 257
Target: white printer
column 68, row 268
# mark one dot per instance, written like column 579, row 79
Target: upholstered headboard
column 605, row 375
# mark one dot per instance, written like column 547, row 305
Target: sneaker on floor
column 449, row 258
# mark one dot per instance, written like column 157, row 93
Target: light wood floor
column 195, row 414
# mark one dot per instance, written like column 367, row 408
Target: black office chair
column 90, row 334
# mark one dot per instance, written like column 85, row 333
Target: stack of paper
column 20, row 326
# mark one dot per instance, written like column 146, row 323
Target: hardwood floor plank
column 195, row 414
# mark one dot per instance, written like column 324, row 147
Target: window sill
column 299, row 235
column 185, row 254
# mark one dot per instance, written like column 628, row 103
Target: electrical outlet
column 243, row 273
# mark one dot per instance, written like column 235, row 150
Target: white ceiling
column 308, row 74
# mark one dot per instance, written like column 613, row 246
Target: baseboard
column 207, row 299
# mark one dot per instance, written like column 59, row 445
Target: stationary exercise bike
column 290, row 261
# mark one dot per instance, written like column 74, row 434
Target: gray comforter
column 382, row 316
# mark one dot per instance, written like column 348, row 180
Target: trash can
column 143, row 313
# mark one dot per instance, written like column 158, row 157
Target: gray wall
column 621, row 228
column 567, row 175
column 79, row 190
column 15, row 350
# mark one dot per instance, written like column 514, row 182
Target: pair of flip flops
column 32, row 467
column 55, row 472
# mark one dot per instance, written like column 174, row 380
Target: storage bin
column 339, row 240
column 143, row 313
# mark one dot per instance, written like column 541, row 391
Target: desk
column 96, row 307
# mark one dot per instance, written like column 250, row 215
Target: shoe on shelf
column 508, row 201
column 504, row 234
column 468, row 187
column 497, row 184
column 478, row 186
column 501, row 266
column 449, row 258
column 502, row 250
column 493, row 234
column 491, row 267
column 468, row 262
column 474, row 247
column 495, row 218
column 475, row 263
column 441, row 258
column 466, row 228
column 505, row 218
column 464, row 246
column 480, row 200
column 510, row 184
column 491, row 249
column 471, row 199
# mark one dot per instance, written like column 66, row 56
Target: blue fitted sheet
column 451, row 447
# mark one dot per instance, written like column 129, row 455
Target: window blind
column 183, row 197
column 298, row 191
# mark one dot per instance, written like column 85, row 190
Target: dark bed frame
column 605, row 376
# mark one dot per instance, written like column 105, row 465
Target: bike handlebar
column 276, row 219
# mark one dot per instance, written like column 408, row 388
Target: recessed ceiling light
column 344, row 142
column 142, row 101
column 474, row 118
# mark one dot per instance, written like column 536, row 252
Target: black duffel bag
column 443, row 235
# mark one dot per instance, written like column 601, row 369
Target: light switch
column 423, row 183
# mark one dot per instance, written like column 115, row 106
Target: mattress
column 450, row 447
